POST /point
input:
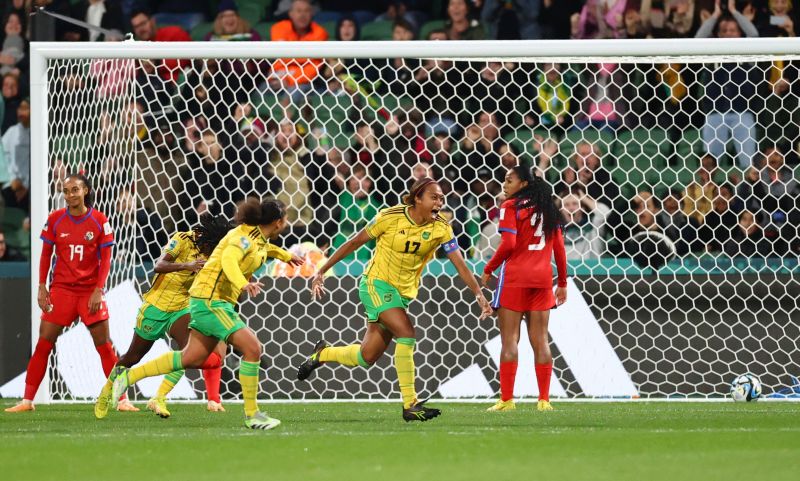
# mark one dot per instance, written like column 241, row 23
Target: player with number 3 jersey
column 530, row 225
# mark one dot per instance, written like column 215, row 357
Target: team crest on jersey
column 426, row 235
column 244, row 243
column 89, row 236
column 387, row 297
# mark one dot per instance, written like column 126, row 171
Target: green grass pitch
column 363, row 441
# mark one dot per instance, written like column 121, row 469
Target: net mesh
column 677, row 180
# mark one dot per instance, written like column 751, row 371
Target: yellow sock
column 169, row 382
column 163, row 364
column 344, row 355
column 404, row 363
column 248, row 378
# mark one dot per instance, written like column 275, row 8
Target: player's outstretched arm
column 560, row 254
column 344, row 250
column 469, row 279
column 166, row 264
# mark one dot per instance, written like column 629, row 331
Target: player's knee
column 369, row 358
column 508, row 354
column 251, row 351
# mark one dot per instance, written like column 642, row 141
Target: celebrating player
column 530, row 224
column 166, row 310
column 407, row 238
column 82, row 238
column 214, row 295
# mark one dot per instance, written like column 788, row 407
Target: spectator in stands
column 229, row 26
column 131, row 216
column 17, row 145
column 357, row 206
column 7, row 254
column 460, row 25
column 547, row 151
column 397, row 11
column 509, row 157
column 205, row 182
column 438, row 35
column 556, row 18
column 365, row 148
column 585, row 222
column 747, row 238
column 516, row 20
column 701, row 193
column 603, row 106
column 719, row 222
column 14, row 46
column 496, row 89
column 289, row 159
column 779, row 194
column 12, row 99
column 295, row 75
column 779, row 22
column 676, row 225
column 635, row 26
column 599, row 19
column 100, row 13
column 678, row 19
column 552, row 103
column 730, row 90
column 595, row 179
column 16, row 195
column 145, row 29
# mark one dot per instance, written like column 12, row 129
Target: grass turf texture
column 348, row 441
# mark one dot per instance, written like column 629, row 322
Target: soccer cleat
column 101, row 405
column 502, row 406
column 418, row 412
column 260, row 420
column 215, row 407
column 312, row 362
column 120, row 385
column 125, row 405
column 159, row 406
column 21, row 407
column 543, row 405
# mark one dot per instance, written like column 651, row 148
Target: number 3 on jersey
column 538, row 238
column 75, row 250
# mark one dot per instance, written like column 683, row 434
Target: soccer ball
column 746, row 387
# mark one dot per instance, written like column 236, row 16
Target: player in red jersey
column 530, row 224
column 81, row 238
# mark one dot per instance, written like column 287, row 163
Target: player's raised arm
column 344, row 250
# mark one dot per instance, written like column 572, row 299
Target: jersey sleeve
column 107, row 234
column 177, row 245
column 48, row 234
column 278, row 253
column 449, row 242
column 377, row 226
column 508, row 218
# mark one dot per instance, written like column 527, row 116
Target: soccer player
column 165, row 310
column 407, row 238
column 81, row 237
column 530, row 225
column 214, row 295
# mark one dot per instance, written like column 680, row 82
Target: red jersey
column 78, row 242
column 524, row 252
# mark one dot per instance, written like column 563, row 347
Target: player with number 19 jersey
column 525, row 282
column 78, row 242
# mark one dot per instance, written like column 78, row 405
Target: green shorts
column 214, row 318
column 378, row 296
column 153, row 324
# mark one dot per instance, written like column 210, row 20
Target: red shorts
column 69, row 305
column 524, row 299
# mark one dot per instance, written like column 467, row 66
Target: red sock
column 543, row 374
column 107, row 357
column 37, row 366
column 508, row 373
column 212, row 373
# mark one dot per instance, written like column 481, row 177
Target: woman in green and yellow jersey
column 407, row 237
column 165, row 310
column 214, row 295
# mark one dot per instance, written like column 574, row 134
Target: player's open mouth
column 435, row 212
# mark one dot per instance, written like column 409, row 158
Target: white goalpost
column 665, row 302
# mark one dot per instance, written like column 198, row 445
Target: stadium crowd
column 338, row 139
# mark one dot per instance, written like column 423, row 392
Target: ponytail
column 538, row 194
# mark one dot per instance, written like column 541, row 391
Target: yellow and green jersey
column 403, row 248
column 169, row 292
column 239, row 254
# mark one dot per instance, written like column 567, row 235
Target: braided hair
column 538, row 194
column 210, row 232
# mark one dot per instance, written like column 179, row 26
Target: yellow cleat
column 215, row 407
column 22, row 407
column 544, row 405
column 101, row 405
column 126, row 406
column 159, row 406
column 501, row 406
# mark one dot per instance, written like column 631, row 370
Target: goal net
column 677, row 177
